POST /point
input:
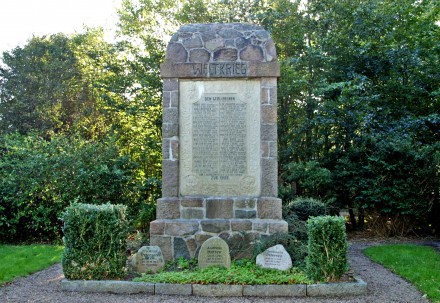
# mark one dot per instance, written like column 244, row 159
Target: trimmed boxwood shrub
column 95, row 240
column 327, row 248
column 303, row 208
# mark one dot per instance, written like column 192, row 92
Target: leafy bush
column 39, row 178
column 95, row 241
column 303, row 208
column 327, row 248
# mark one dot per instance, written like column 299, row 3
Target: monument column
column 219, row 169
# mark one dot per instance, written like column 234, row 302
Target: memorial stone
column 214, row 252
column 219, row 146
column 275, row 257
column 148, row 259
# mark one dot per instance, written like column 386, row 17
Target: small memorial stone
column 275, row 257
column 214, row 252
column 148, row 259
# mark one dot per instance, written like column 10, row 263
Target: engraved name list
column 219, row 136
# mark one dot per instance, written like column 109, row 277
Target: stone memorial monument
column 148, row 259
column 275, row 257
column 214, row 252
column 219, row 169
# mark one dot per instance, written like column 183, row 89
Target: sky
column 20, row 19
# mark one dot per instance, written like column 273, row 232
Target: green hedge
column 95, row 241
column 327, row 248
column 303, row 208
column 40, row 178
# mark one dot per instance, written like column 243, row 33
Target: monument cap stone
column 275, row 257
column 148, row 259
column 214, row 252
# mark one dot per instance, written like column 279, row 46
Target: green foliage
column 418, row 264
column 303, row 208
column 181, row 264
column 327, row 248
column 19, row 261
column 40, row 178
column 241, row 272
column 95, row 241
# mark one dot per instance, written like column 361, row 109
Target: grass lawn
column 18, row 261
column 418, row 264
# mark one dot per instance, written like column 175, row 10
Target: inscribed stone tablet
column 275, row 257
column 220, row 138
column 148, row 259
column 214, row 252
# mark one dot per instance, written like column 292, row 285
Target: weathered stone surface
column 252, row 53
column 269, row 208
column 170, row 84
column 192, row 247
column 170, row 130
column 271, row 54
column 245, row 203
column 181, row 227
column 116, row 287
column 241, row 225
column 215, row 226
column 170, row 149
column 229, row 33
column 268, row 114
column 148, row 259
column 218, row 290
column 181, row 249
column 268, row 132
column 214, row 252
column 189, row 70
column 296, row 290
column 157, row 227
column 193, row 42
column 337, row 289
column 170, row 182
column 207, row 36
column 192, row 202
column 226, row 55
column 200, row 238
column 245, row 214
column 215, row 44
column 269, row 184
column 171, row 115
column 173, row 289
column 164, row 242
column 199, row 56
column 192, row 213
column 275, row 257
column 168, row 208
column 219, row 208
column 176, row 52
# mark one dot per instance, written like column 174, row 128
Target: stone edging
column 359, row 287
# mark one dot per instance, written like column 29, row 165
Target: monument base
column 183, row 224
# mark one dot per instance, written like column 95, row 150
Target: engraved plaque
column 219, row 130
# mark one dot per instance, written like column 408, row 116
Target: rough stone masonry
column 219, row 169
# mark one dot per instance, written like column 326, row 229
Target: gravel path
column 383, row 286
